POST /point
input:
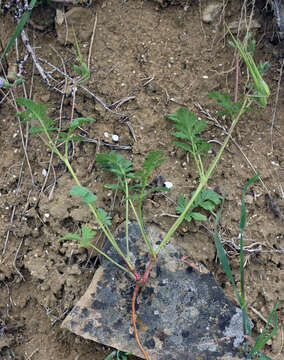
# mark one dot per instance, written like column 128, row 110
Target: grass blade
column 265, row 336
column 222, row 254
column 19, row 28
column 242, row 227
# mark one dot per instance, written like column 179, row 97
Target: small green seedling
column 117, row 355
column 6, row 84
column 253, row 350
column 82, row 70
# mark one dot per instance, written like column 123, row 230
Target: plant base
column 181, row 313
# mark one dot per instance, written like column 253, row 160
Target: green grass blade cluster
column 254, row 351
column 19, row 28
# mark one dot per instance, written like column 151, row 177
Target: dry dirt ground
column 147, row 59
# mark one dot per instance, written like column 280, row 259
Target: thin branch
column 92, row 40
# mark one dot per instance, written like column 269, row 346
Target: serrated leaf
column 116, row 164
column 103, row 216
column 70, row 236
column 36, row 111
column 84, row 240
column 152, row 161
column 188, row 127
column 87, row 235
column 207, row 195
column 197, row 216
column 86, row 195
column 206, row 199
column 36, row 130
column 80, row 121
column 208, row 205
column 184, row 146
column 182, row 202
column 230, row 107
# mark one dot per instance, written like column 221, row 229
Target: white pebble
column 115, row 137
column 46, row 215
column 168, row 184
column 106, row 134
column 205, row 77
column 44, row 172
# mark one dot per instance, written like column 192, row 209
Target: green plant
column 25, row 17
column 133, row 184
column 18, row 29
column 117, row 355
column 82, row 70
column 261, row 89
column 207, row 200
column 253, row 350
column 6, row 84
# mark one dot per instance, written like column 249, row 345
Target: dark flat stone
column 181, row 313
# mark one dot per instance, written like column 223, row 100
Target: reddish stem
column 137, row 286
column 135, row 274
column 149, row 268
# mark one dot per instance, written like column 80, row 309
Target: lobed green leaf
column 116, row 164
column 86, row 195
column 103, row 217
column 207, row 199
column 188, row 127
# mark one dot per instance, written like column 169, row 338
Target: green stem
column 105, row 229
column 126, row 220
column 145, row 236
column 113, row 261
column 206, row 177
column 201, row 166
column 242, row 277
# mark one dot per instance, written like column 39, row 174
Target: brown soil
column 160, row 57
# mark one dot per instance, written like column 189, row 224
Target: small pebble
column 44, row 172
column 115, row 137
column 106, row 134
column 168, row 184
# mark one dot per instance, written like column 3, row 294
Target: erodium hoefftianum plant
column 133, row 183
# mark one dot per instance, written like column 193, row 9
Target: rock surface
column 181, row 313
